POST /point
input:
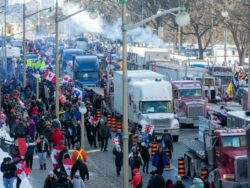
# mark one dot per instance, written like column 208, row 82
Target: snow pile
column 4, row 134
column 25, row 183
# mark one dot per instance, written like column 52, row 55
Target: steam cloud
column 83, row 23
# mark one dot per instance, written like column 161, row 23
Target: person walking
column 179, row 183
column 42, row 149
column 158, row 180
column 30, row 152
column 56, row 137
column 83, row 169
column 160, row 159
column 135, row 160
column 105, row 134
column 117, row 152
column 8, row 168
column 167, row 143
column 50, row 180
column 77, row 181
column 145, row 156
column 63, row 182
column 137, row 179
column 169, row 184
column 79, row 153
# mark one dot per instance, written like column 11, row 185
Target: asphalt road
column 102, row 168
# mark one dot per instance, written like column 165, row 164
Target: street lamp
column 181, row 18
column 225, row 15
column 82, row 110
column 93, row 15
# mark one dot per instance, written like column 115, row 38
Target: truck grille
column 195, row 111
column 241, row 169
column 161, row 123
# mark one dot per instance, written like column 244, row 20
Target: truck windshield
column 69, row 56
column 156, row 107
column 234, row 141
column 87, row 75
column 184, row 93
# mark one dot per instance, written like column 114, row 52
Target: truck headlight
column 228, row 177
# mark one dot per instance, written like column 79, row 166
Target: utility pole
column 4, row 42
column 57, row 62
column 212, row 26
column 24, row 44
column 125, row 98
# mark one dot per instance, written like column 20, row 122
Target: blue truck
column 86, row 70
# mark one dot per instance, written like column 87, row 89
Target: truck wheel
column 175, row 138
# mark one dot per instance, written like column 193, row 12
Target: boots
column 41, row 167
column 44, row 167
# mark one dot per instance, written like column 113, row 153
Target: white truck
column 150, row 101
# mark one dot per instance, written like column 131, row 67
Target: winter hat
column 51, row 172
column 135, row 170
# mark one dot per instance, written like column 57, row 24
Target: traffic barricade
column 109, row 120
column 113, row 124
column 153, row 148
column 204, row 173
column 181, row 167
column 168, row 153
column 119, row 125
column 98, row 115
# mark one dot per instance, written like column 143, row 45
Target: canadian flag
column 67, row 164
column 55, row 153
column 67, row 79
column 22, row 170
column 50, row 76
column 116, row 140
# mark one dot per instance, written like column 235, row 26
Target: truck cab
column 86, row 70
column 230, row 157
column 188, row 102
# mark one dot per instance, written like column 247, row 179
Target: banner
column 67, row 164
column 148, row 129
column 22, row 170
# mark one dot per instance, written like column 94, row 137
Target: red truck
column 188, row 102
column 223, row 153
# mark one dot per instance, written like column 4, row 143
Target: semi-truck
column 223, row 152
column 86, row 70
column 150, row 101
column 188, row 102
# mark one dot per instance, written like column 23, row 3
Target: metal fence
column 6, row 145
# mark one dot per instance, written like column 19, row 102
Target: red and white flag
column 50, row 76
column 148, row 129
column 22, row 170
column 54, row 154
column 116, row 141
column 67, row 79
column 67, row 164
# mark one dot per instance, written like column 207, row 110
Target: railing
column 6, row 145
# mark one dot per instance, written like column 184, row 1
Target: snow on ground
column 4, row 133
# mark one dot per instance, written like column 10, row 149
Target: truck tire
column 175, row 138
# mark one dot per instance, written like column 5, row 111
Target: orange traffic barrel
column 168, row 165
column 153, row 149
column 204, row 173
column 119, row 125
column 113, row 123
column 98, row 114
column 181, row 167
column 109, row 120
column 134, row 140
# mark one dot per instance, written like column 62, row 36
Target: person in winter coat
column 30, row 152
column 79, row 153
column 50, row 180
column 20, row 131
column 117, row 152
column 158, row 180
column 167, row 143
column 63, row 182
column 8, row 168
column 169, row 184
column 105, row 134
column 150, row 182
column 160, row 160
column 77, row 181
column 83, row 169
column 70, row 134
column 92, row 134
column 31, row 129
column 56, row 137
column 42, row 149
column 135, row 159
column 145, row 156
column 179, row 183
column 137, row 179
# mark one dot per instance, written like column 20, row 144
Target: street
column 102, row 168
